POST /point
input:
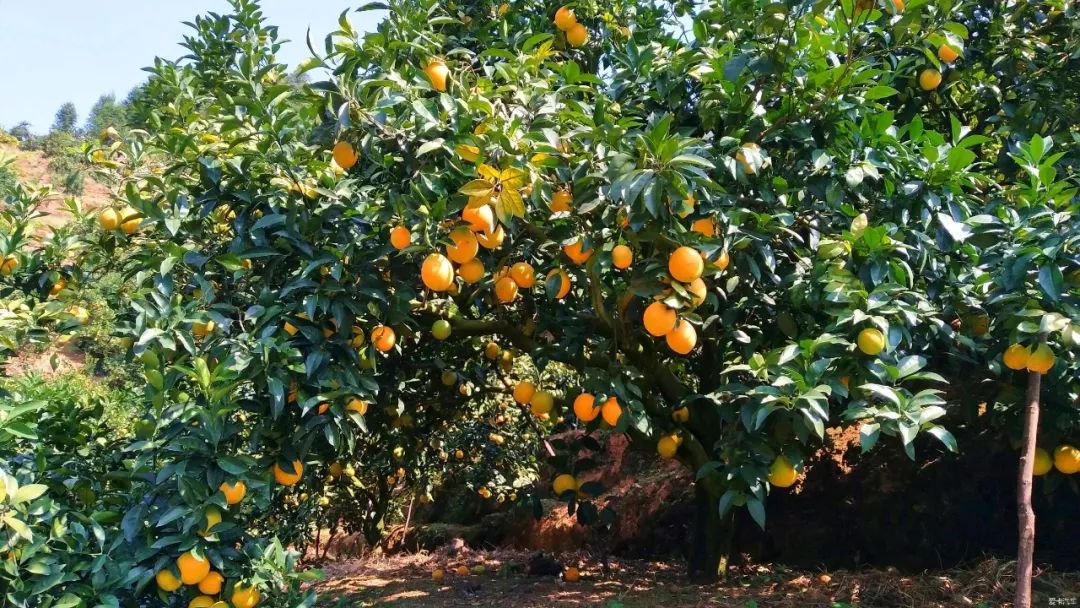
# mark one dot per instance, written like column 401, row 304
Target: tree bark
column 1025, row 514
column 710, row 543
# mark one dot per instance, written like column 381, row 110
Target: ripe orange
column 506, row 290
column 622, row 256
column 80, row 314
column 722, row 261
column 193, row 569
column 438, row 574
column 464, row 247
column 571, row 575
column 233, row 492
column 898, row 5
column 585, row 407
column 681, row 415
column 564, row 483
column 211, row 585
column 1042, row 463
column 213, row 518
column 480, row 218
column 437, row 272
column 577, row 35
column 492, row 350
column 685, row 208
column 1067, row 459
column 167, row 581
column 493, row 239
column 740, row 157
column 576, row 252
column 1041, row 359
column 1016, row 357
column 400, row 237
column 344, row 155
column 668, row 446
column 611, row 411
column 947, row 54
column 698, row 291
column 57, row 287
column 564, row 282
column 109, row 219
column 683, row 338
column 437, row 72
column 560, row 201
column 131, row 220
column 523, row 392
column 781, row 473
column 201, row 601
column 542, row 402
column 929, row 79
column 245, row 597
column 685, row 264
column 9, row 265
column 357, row 405
column 200, row 329
column 383, row 338
column 659, row 319
column 286, row 478
column 565, row 18
column 871, row 341
column 705, row 226
column 463, row 570
column 523, row 274
column 471, row 271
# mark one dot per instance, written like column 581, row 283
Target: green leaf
column 880, row 92
column 430, row 146
column 477, row 187
column 18, row 527
column 868, row 436
column 512, row 202
column 29, row 492
column 757, row 511
column 1051, row 281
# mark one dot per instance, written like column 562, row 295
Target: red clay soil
column 32, row 168
column 406, row 581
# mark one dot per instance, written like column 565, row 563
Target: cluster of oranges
column 1038, row 360
column 685, row 265
column 576, row 33
column 1066, row 459
column 480, row 230
column 586, row 409
column 194, row 570
column 127, row 220
column 540, row 402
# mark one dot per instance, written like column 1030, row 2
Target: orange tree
column 737, row 224
column 765, row 226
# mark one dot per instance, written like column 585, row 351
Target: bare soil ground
column 405, row 580
column 32, row 168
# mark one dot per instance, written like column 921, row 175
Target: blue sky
column 53, row 51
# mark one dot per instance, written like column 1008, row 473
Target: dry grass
column 405, row 581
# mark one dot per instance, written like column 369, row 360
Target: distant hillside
column 32, row 168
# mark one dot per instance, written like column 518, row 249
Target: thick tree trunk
column 1025, row 514
column 710, row 543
